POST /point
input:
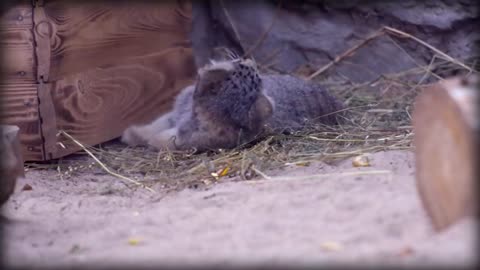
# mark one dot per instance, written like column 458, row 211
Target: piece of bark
column 11, row 161
column 446, row 140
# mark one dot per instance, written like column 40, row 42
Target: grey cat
column 231, row 104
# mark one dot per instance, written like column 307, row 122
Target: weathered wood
column 43, row 33
column 18, row 62
column 113, row 66
column 98, row 105
column 446, row 139
column 101, row 33
column 19, row 106
column 11, row 162
column 95, row 69
column 18, row 90
column 48, row 120
column 17, row 15
column 16, row 43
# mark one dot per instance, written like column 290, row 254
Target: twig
column 103, row 165
column 229, row 18
column 261, row 173
column 428, row 69
column 446, row 56
column 346, row 54
column 380, row 32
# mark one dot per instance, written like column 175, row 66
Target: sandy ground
column 338, row 219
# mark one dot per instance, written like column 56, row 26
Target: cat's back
column 297, row 101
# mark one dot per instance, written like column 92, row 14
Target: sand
column 94, row 219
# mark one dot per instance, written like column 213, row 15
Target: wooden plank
column 111, row 66
column 93, row 34
column 18, row 61
column 97, row 105
column 43, row 34
column 17, row 15
column 19, row 103
column 48, row 120
column 18, row 89
column 446, row 139
column 16, row 43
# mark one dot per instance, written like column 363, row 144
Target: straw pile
column 378, row 118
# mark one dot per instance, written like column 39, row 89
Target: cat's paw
column 131, row 136
column 165, row 140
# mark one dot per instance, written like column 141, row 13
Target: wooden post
column 446, row 140
column 11, row 161
column 43, row 33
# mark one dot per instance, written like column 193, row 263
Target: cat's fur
column 231, row 103
column 299, row 103
column 226, row 107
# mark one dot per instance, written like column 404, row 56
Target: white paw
column 165, row 140
column 131, row 137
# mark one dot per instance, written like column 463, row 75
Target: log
column 446, row 140
column 11, row 162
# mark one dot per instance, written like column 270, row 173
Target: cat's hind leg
column 165, row 140
column 140, row 135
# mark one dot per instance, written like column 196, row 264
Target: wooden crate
column 90, row 69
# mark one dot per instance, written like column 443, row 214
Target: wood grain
column 110, row 65
column 18, row 62
column 18, row 90
column 19, row 105
column 17, row 15
column 16, row 43
column 114, row 65
column 97, row 33
column 42, row 32
column 97, row 105
column 446, row 138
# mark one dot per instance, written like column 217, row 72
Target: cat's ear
column 261, row 110
column 211, row 77
column 264, row 106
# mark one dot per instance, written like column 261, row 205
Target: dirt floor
column 340, row 218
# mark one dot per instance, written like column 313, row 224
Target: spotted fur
column 231, row 103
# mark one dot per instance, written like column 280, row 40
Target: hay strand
column 103, row 165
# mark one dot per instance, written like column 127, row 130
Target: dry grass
column 378, row 118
